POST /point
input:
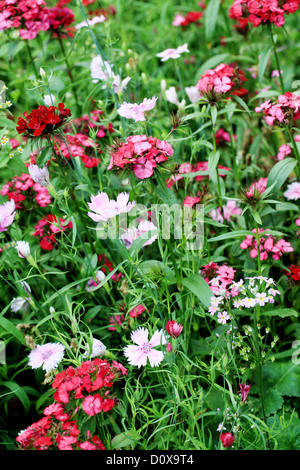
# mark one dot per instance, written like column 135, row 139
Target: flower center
column 146, row 347
column 46, row 355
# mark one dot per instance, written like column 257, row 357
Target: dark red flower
column 43, row 121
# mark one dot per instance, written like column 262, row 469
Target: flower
column 104, row 208
column 101, row 70
column 136, row 311
column 141, row 154
column 48, row 356
column 119, row 84
column 23, row 249
column 39, row 175
column 144, row 349
column 172, row 53
column 172, row 97
column 293, row 191
column 91, row 22
column 43, row 121
column 98, row 349
column 223, row 317
column 133, row 233
column 7, row 214
column 173, row 328
column 227, row 439
column 136, row 111
column 193, row 94
column 244, row 391
column 282, row 112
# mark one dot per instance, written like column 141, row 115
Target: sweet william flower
column 173, row 328
column 23, row 249
column 39, row 175
column 47, row 356
column 136, row 111
column 102, row 208
column 227, row 439
column 98, row 349
column 293, row 191
column 7, row 214
column 143, row 349
column 172, row 53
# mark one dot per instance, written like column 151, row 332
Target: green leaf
column 284, row 377
column 125, row 439
column 263, row 61
column 211, row 16
column 233, row 234
column 199, row 287
column 280, row 172
column 273, row 402
column 19, row 392
column 44, row 157
column 213, row 161
column 10, row 328
column 281, row 312
column 212, row 62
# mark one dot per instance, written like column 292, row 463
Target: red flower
column 173, row 328
column 227, row 439
column 244, row 391
column 43, row 121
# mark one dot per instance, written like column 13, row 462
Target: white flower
column 193, row 94
column 92, row 22
column 172, row 97
column 23, row 249
column 19, row 304
column 39, row 175
column 119, row 85
column 49, row 100
column 101, row 70
column 98, row 349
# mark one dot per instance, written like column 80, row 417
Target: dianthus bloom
column 7, row 215
column 227, row 439
column 102, row 208
column 223, row 81
column 283, row 151
column 140, row 153
column 293, row 191
column 133, row 233
column 43, row 121
column 172, row 53
column 136, row 111
column 143, row 349
column 39, row 175
column 229, row 210
column 293, row 273
column 262, row 11
column 30, row 17
column 136, row 311
column 48, row 356
column 283, row 112
column 79, row 145
column 244, row 391
column 173, row 328
column 49, row 228
column 267, row 245
column 23, row 188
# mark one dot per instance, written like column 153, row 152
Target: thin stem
column 295, row 151
column 217, row 169
column 276, row 57
column 69, row 71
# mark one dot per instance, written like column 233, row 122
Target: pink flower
column 133, row 233
column 138, row 354
column 244, row 391
column 92, row 404
column 136, row 111
column 173, row 328
column 104, row 208
column 7, row 214
column 48, row 356
column 293, row 191
column 136, row 311
column 283, row 151
column 172, row 53
column 39, row 175
column 227, row 439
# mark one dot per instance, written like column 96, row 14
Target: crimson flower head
column 43, row 121
column 244, row 391
column 173, row 328
column 227, row 439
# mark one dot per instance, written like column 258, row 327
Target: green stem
column 276, row 57
column 31, row 58
column 217, row 169
column 69, row 71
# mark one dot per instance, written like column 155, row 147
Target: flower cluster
column 259, row 290
column 263, row 11
column 141, row 231
column 223, row 81
column 268, row 245
column 85, row 389
column 7, row 215
column 79, row 145
column 48, row 229
column 227, row 211
column 59, row 18
column 23, row 188
column 43, row 121
column 102, row 208
column 91, row 121
column 222, row 136
column 30, row 17
column 283, row 112
column 140, row 153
